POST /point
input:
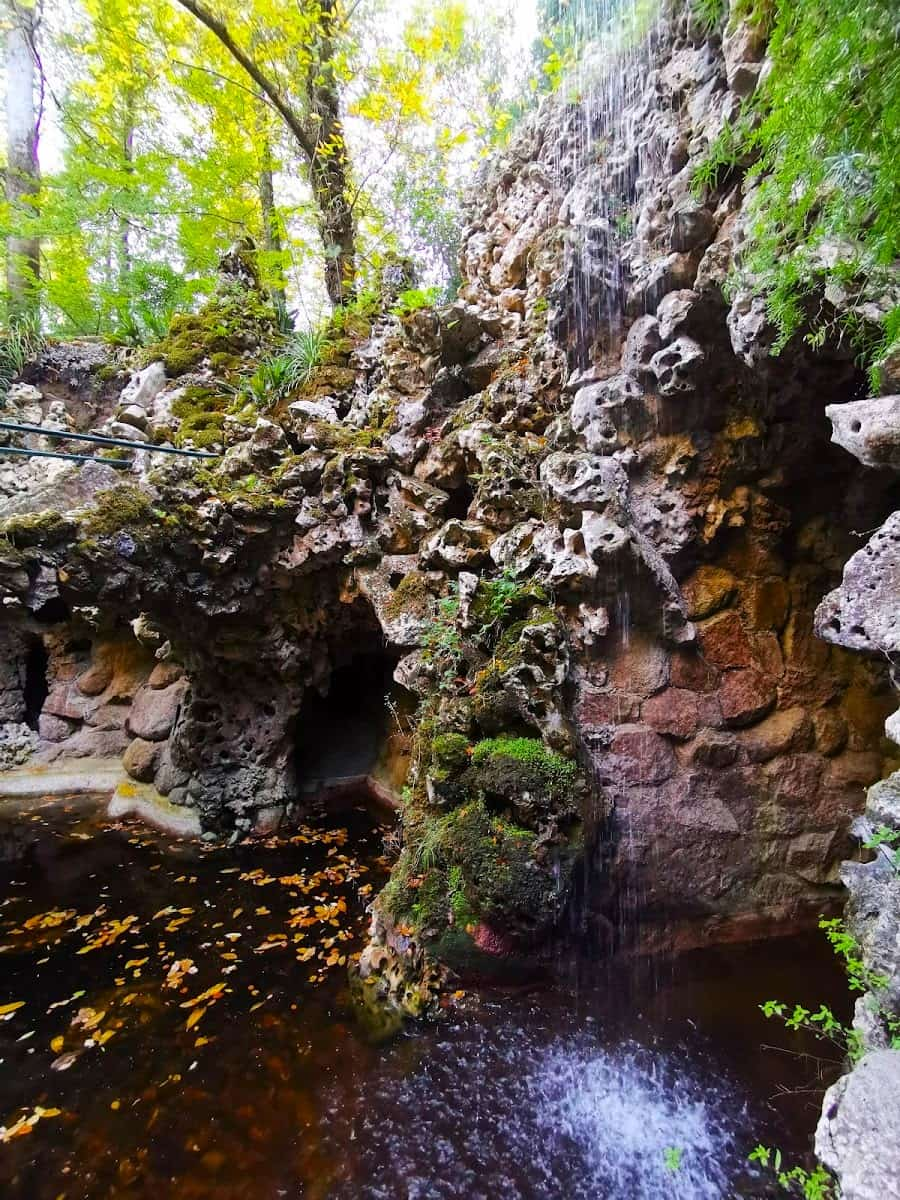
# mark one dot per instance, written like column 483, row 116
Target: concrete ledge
column 142, row 800
column 74, row 776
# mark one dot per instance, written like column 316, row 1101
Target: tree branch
column 288, row 114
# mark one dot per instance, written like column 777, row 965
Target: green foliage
column 672, row 1156
column 883, row 836
column 827, row 144
column 279, row 376
column 860, row 978
column 551, row 771
column 442, row 643
column 709, row 13
column 817, row 1184
column 723, row 155
column 415, row 298
column 20, row 344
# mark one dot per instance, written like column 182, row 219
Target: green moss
column 117, row 509
column 231, row 323
column 450, row 752
column 413, row 595
column 552, row 772
column 34, row 529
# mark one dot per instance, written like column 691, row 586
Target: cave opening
column 354, row 742
column 35, row 687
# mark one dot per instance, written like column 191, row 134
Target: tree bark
column 270, row 224
column 23, row 253
column 320, row 141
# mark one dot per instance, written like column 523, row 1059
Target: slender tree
column 23, row 249
column 313, row 118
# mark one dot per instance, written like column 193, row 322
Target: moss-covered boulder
column 235, row 322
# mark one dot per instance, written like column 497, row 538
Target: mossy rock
column 117, row 509
column 47, row 528
column 233, row 322
column 471, row 867
column 414, row 595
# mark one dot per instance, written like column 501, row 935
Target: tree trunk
column 270, row 224
column 319, row 138
column 124, row 255
column 22, row 172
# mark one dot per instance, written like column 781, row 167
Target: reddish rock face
column 639, row 755
column 724, row 642
column 746, row 696
column 675, row 712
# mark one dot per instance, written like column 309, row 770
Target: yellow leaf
column 10, row 1008
column 195, row 1017
column 57, row 1044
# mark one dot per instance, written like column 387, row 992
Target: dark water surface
column 185, row 1033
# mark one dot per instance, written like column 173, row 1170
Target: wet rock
column 585, row 481
column 641, row 344
column 784, row 732
column 708, row 590
column 96, row 679
column 674, row 712
column 677, row 367
column 639, row 755
column 858, row 1135
column 165, row 673
column 724, row 641
column 693, row 227
column 831, row 731
column 712, row 749
column 457, row 546
column 860, row 614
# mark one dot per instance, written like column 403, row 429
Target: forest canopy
column 329, row 132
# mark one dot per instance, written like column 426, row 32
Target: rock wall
column 582, row 505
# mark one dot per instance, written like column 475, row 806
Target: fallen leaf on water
column 57, row 1043
column 9, row 1009
column 194, row 1017
column 25, row 1124
column 65, row 1061
column 210, row 995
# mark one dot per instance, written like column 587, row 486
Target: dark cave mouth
column 353, row 743
column 36, row 687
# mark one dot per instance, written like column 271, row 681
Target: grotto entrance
column 355, row 740
column 35, row 687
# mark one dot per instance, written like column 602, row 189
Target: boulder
column 868, row 429
column 858, row 1135
column 154, row 711
column 141, row 759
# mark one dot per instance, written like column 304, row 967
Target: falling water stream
column 113, row 939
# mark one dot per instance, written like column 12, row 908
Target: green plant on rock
column 442, row 643
column 20, row 344
column 860, row 978
column 414, row 299
column 825, row 134
column 709, row 13
column 889, row 838
column 818, row 1184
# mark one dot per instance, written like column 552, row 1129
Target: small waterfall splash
column 601, row 158
column 517, row 1111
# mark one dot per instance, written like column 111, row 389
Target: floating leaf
column 194, row 1017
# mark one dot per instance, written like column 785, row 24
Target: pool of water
column 174, row 1022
